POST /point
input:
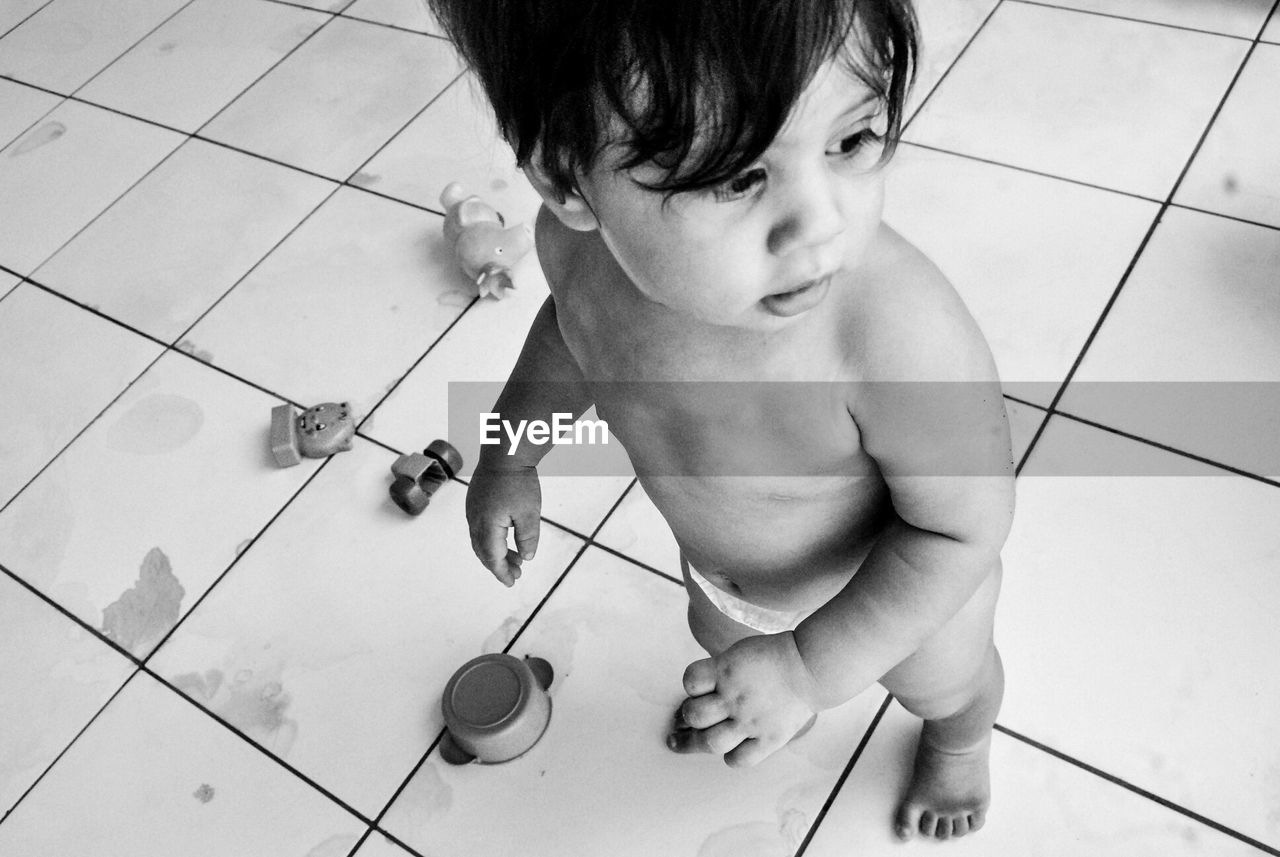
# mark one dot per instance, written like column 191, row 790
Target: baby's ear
column 570, row 207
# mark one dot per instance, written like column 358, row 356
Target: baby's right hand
column 497, row 499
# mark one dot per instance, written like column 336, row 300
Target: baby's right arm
column 504, row 491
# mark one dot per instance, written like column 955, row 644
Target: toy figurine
column 419, row 474
column 496, row 708
column 316, row 433
column 483, row 244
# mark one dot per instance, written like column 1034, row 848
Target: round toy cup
column 496, row 707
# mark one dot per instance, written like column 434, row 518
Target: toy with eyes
column 486, row 248
column 317, row 432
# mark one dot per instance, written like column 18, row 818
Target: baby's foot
column 949, row 792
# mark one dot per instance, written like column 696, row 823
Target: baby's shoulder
column 567, row 256
column 906, row 320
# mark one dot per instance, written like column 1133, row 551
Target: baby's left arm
column 943, row 449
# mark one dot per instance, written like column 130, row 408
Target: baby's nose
column 812, row 218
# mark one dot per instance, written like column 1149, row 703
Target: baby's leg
column 955, row 683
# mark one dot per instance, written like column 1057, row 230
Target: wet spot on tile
column 149, row 609
column 203, row 687
column 364, row 179
column 335, row 846
column 257, row 704
column 432, row 796
column 204, row 794
column 455, row 298
column 243, row 546
column 498, row 185
column 1230, row 183
column 167, row 47
column 156, row 424
column 188, row 347
column 42, row 136
column 751, row 839
column 506, row 632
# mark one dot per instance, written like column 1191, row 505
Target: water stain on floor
column 42, row 136
column 156, row 424
column 147, row 611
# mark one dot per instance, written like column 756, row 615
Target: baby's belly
column 779, row 542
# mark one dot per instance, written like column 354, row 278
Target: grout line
column 1142, row 246
column 93, row 719
column 1097, row 14
column 844, row 775
column 1138, row 790
column 267, row 71
column 947, row 72
column 29, row 16
column 175, row 13
column 1266, row 480
column 1029, row 171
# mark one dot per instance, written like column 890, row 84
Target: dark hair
column 722, row 73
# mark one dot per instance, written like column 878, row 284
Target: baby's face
column 762, row 248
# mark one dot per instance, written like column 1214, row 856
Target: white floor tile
column 407, row 14
column 1236, row 171
column 201, row 59
column 1101, row 100
column 62, row 173
column 69, row 41
column 173, row 245
column 1024, row 422
column 1011, row 244
column 350, row 616
column 323, row 5
column 1137, row 622
column 481, row 349
column 153, row 775
column 1200, row 308
column 14, row 12
column 342, row 309
column 130, row 526
column 52, row 392
column 55, row 675
column 1041, row 807
column 637, row 529
column 454, row 139
column 332, row 103
column 601, row 780
column 1234, row 18
column 1272, row 33
column 946, row 26
column 378, row 845
column 20, row 106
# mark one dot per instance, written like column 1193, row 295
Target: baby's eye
column 855, row 144
column 740, row 185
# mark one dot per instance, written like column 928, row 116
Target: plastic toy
column 496, row 708
column 316, row 433
column 419, row 474
column 484, row 245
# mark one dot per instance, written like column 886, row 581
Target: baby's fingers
column 490, row 546
column 527, row 535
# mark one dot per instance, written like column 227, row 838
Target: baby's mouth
column 801, row 299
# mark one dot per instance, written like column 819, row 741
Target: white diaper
column 763, row 619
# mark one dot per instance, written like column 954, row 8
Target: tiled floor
column 211, row 206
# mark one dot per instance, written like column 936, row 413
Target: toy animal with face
column 484, row 245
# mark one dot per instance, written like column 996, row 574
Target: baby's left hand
column 746, row 702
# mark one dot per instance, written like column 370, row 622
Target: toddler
column 710, row 173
